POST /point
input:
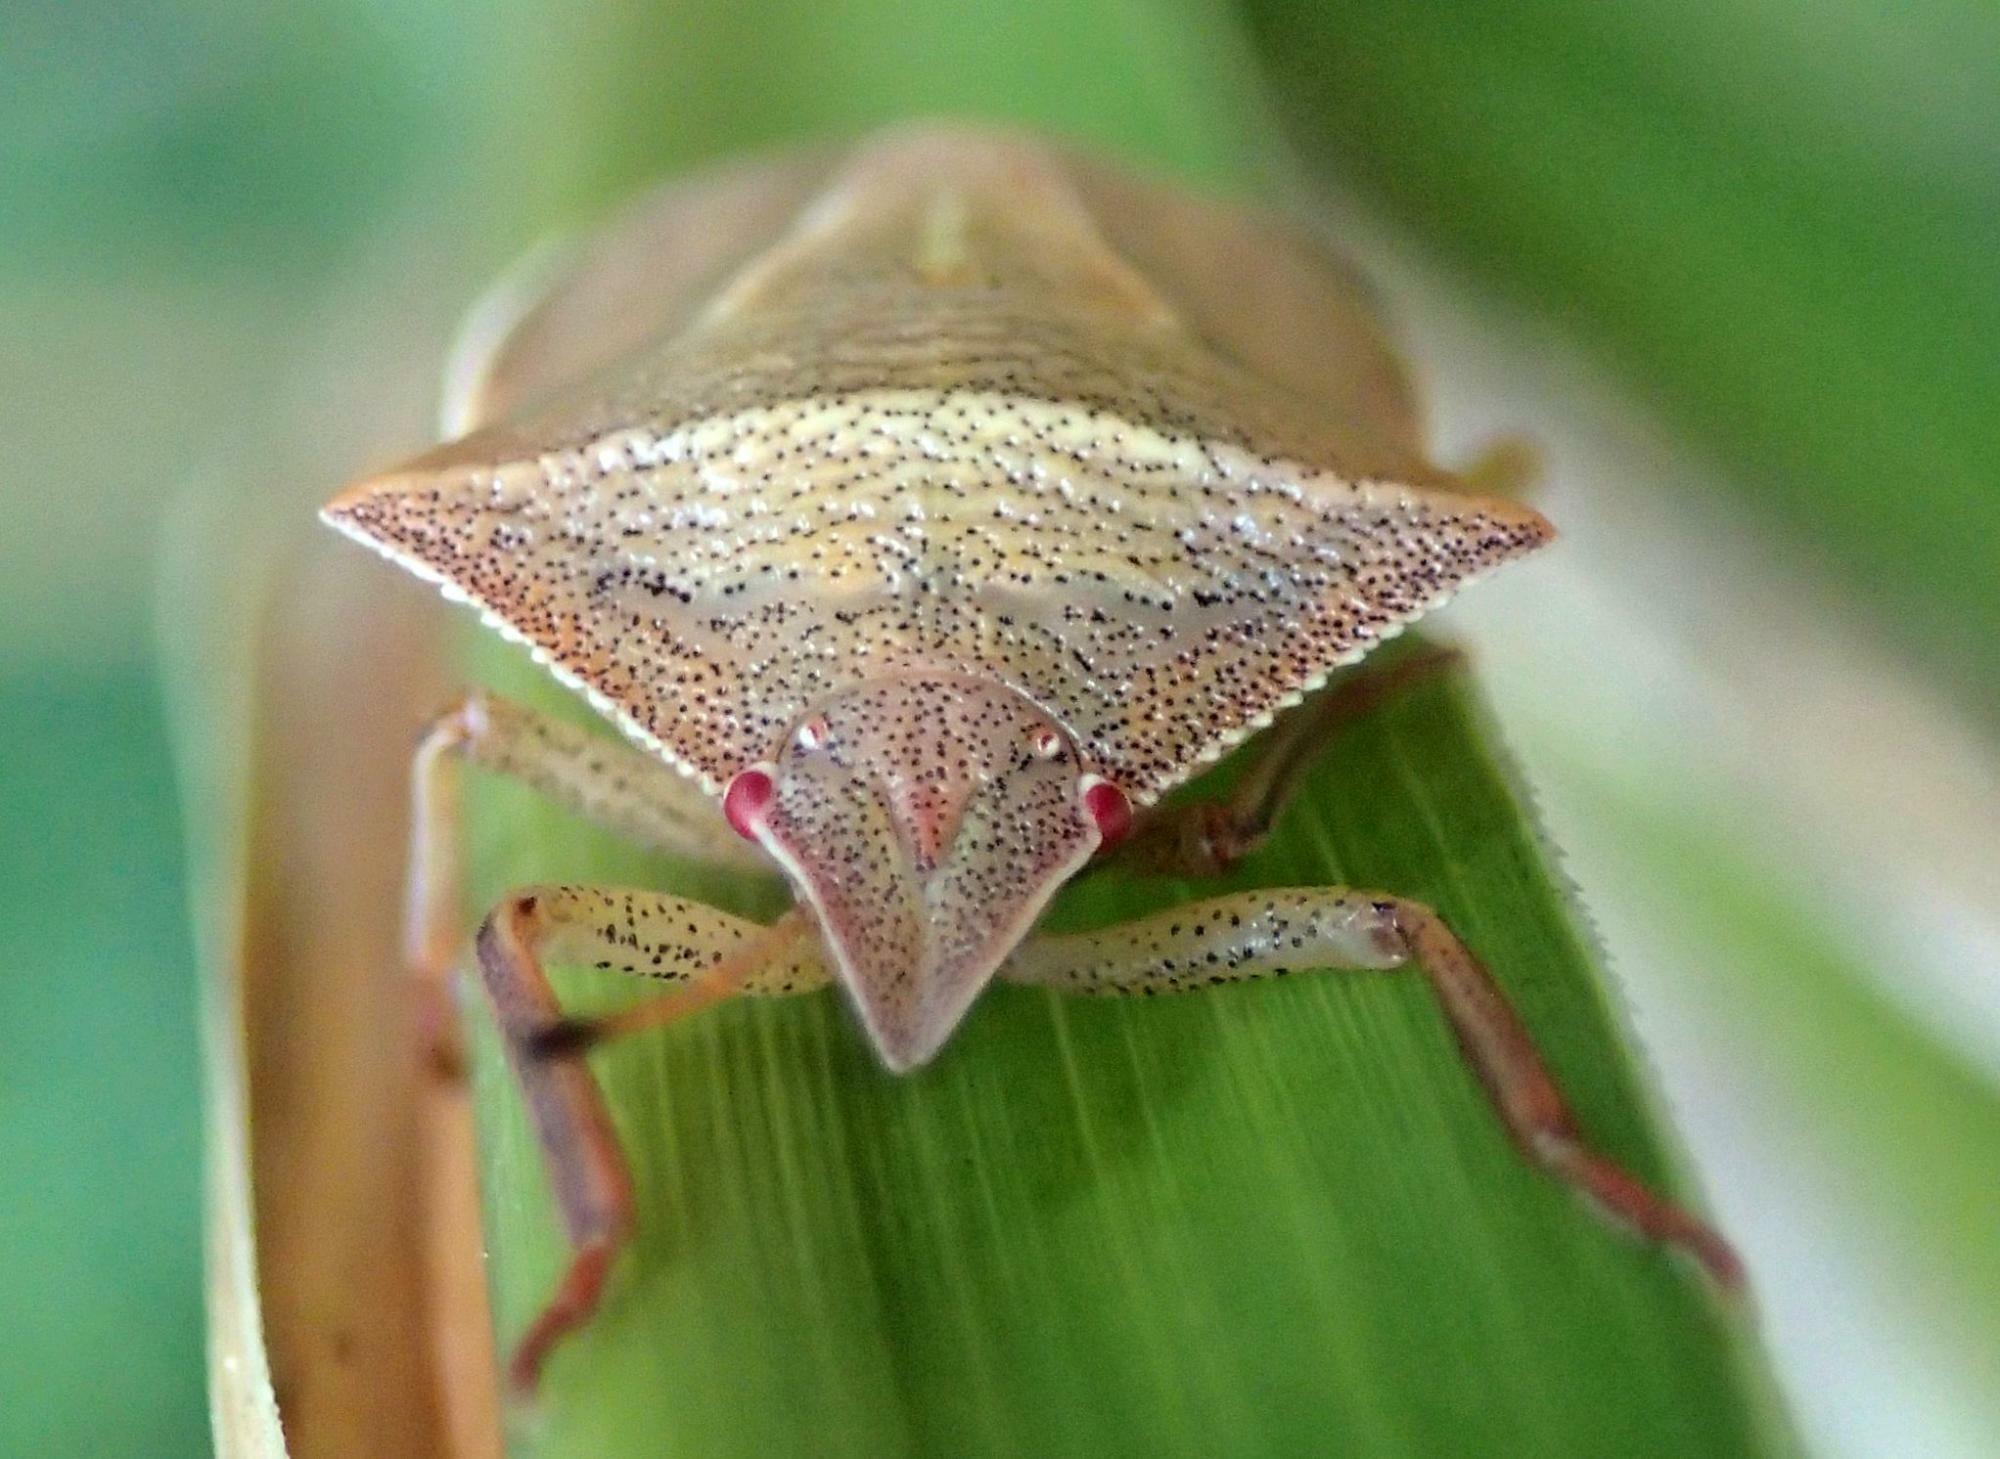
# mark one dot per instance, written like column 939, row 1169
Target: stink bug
column 922, row 512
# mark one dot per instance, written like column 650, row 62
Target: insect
column 922, row 512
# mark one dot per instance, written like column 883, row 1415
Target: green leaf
column 1277, row 1218
column 1776, row 217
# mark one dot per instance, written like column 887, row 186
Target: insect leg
column 708, row 954
column 1258, row 934
column 1207, row 837
column 608, row 782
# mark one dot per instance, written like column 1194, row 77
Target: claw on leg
column 1622, row 1197
column 575, row 1298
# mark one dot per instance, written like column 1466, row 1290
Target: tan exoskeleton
column 922, row 513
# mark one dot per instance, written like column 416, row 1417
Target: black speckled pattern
column 941, row 427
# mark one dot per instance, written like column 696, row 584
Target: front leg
column 708, row 955
column 1258, row 934
column 610, row 783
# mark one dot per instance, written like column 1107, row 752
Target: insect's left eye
column 1046, row 743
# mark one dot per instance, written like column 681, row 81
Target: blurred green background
column 1774, row 222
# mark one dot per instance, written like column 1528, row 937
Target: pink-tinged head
column 927, row 819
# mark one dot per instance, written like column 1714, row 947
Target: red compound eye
column 746, row 800
column 1109, row 807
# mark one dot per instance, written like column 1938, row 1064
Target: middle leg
column 1207, row 837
